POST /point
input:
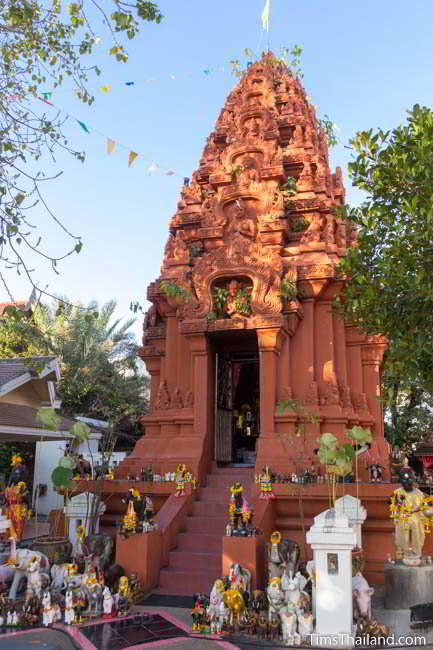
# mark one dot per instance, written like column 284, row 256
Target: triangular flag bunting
column 111, row 145
column 83, row 126
column 132, row 156
column 129, row 83
column 153, row 167
column 105, row 89
column 47, row 96
column 170, row 173
column 206, row 71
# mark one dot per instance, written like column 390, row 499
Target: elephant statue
column 24, row 559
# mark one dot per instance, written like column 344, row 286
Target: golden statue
column 411, row 511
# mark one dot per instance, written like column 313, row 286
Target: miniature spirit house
column 241, row 314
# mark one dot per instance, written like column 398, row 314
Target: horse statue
column 240, row 578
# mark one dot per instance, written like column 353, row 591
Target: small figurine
column 239, row 511
column 197, row 615
column 47, row 610
column 9, row 618
column 276, row 597
column 264, row 480
column 108, row 602
column 228, row 530
column 135, row 590
column 180, row 480
column 15, row 619
column 129, row 523
column 274, row 628
column 34, row 580
column 214, row 609
column 69, row 607
column 123, row 603
column 80, row 535
column 376, row 472
column 240, row 578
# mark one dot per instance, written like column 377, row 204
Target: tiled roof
column 16, row 415
column 15, row 367
column 21, row 304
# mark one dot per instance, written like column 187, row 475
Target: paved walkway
column 53, row 639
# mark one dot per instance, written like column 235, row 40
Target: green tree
column 390, row 287
column 102, row 377
column 43, row 44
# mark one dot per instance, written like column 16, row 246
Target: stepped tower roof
column 260, row 206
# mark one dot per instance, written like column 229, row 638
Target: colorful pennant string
column 131, row 157
column 111, row 145
column 83, row 126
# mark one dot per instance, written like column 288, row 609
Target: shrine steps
column 196, row 562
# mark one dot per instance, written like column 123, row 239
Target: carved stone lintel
column 311, row 271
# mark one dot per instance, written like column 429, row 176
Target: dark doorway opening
column 237, row 398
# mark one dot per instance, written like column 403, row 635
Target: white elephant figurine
column 293, row 586
column 288, row 627
column 276, row 599
column 24, row 559
column 305, row 626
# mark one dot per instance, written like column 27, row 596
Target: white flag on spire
column 265, row 15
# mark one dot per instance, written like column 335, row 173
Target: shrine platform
column 192, row 527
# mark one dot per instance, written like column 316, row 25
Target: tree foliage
column 102, row 376
column 390, row 290
column 43, row 44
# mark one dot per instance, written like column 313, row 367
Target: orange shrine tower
column 241, row 314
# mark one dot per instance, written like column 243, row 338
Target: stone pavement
column 53, row 639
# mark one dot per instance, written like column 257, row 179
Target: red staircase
column 197, row 561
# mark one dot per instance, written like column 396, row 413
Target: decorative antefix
column 332, row 540
column 80, row 511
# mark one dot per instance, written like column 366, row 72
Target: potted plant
column 288, row 288
column 176, row 294
column 219, row 295
column 336, row 457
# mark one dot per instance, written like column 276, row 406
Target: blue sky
column 365, row 63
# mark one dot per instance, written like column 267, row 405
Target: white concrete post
column 355, row 512
column 332, row 540
column 79, row 511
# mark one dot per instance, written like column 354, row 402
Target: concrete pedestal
column 407, row 586
column 249, row 552
column 141, row 554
